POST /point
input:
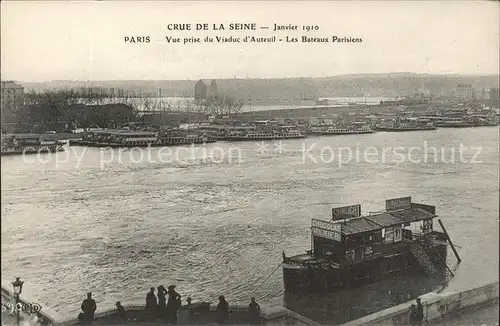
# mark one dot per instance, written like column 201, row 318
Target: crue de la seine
column 215, row 27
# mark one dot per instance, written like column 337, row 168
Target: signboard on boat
column 398, row 203
column 427, row 226
column 389, row 235
column 327, row 230
column 341, row 213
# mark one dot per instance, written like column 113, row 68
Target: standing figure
column 420, row 311
column 88, row 307
column 253, row 312
column 162, row 302
column 222, row 310
column 151, row 304
column 173, row 304
column 120, row 311
column 413, row 315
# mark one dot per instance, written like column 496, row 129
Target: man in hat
column 151, row 303
column 173, row 304
column 253, row 312
column 420, row 311
column 89, row 307
column 120, row 311
column 222, row 310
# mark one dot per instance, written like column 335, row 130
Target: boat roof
column 385, row 219
column 123, row 132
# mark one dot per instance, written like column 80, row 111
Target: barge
column 354, row 129
column 134, row 139
column 29, row 144
column 351, row 250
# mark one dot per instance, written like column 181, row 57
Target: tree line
column 67, row 109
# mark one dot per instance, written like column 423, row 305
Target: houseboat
column 350, row 249
column 350, row 130
column 28, row 144
column 406, row 125
column 128, row 138
column 273, row 134
column 473, row 121
column 182, row 138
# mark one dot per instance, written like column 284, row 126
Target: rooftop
column 381, row 220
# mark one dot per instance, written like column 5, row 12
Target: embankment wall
column 436, row 306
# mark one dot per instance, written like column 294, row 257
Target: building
column 213, row 88
column 494, row 98
column 12, row 99
column 465, row 92
column 200, row 90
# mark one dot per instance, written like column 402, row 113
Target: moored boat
column 332, row 130
column 406, row 125
column 264, row 135
column 134, row 139
column 351, row 249
column 13, row 144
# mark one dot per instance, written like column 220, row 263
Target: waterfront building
column 213, row 88
column 465, row 92
column 200, row 90
column 494, row 97
column 12, row 100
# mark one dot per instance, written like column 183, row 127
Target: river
column 215, row 219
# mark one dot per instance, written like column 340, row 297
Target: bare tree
column 220, row 105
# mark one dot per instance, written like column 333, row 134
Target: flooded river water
column 214, row 219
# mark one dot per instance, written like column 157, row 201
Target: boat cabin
column 350, row 237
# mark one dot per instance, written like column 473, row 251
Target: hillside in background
column 378, row 85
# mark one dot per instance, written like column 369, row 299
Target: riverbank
column 437, row 306
column 197, row 314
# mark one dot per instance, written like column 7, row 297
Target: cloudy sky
column 85, row 40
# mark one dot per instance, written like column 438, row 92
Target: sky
column 64, row 40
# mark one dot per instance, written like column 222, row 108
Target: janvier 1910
column 239, row 27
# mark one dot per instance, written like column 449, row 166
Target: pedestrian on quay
column 253, row 312
column 420, row 311
column 413, row 315
column 88, row 308
column 120, row 311
column 222, row 310
column 162, row 302
column 151, row 304
column 173, row 305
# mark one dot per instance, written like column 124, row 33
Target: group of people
column 159, row 306
column 222, row 311
column 165, row 305
column 416, row 316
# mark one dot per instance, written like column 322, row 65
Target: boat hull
column 464, row 125
column 165, row 143
column 320, row 133
column 40, row 150
column 407, row 129
column 261, row 139
column 299, row 278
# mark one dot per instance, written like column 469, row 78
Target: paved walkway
column 482, row 315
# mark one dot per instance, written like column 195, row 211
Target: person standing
column 420, row 311
column 162, row 301
column 253, row 312
column 413, row 315
column 173, row 304
column 151, row 304
column 120, row 311
column 222, row 310
column 89, row 307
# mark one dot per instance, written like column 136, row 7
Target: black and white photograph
column 250, row 162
